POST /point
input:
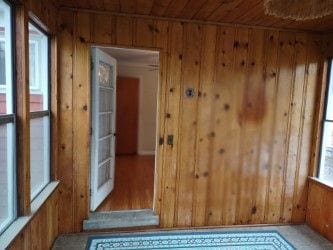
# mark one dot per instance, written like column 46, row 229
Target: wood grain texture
column 241, row 145
column 174, row 62
column 161, row 31
column 65, row 167
column 134, row 184
column 42, row 230
column 81, row 117
column 248, row 12
column 44, row 13
column 54, row 107
column 22, row 110
column 320, row 208
column 188, row 124
column 41, row 13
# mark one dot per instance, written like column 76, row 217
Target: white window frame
column 44, row 90
column 8, row 88
column 325, row 120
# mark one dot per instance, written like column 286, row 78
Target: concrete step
column 121, row 219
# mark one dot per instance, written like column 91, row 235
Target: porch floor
column 301, row 236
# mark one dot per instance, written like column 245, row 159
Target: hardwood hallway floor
column 134, row 184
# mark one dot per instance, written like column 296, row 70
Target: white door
column 104, row 70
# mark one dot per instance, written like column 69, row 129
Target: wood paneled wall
column 241, row 145
column 320, row 209
column 42, row 230
column 43, row 10
column 319, row 213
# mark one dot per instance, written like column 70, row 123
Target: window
column 326, row 159
column 39, row 109
column 7, row 121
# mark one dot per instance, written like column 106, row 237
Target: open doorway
column 124, row 115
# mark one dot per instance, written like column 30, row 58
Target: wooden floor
column 134, row 184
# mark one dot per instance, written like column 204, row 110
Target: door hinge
column 91, row 131
column 161, row 141
column 92, row 64
column 90, row 192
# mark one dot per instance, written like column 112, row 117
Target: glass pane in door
column 105, row 74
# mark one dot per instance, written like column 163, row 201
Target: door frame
column 160, row 119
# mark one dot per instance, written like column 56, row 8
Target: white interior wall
column 147, row 104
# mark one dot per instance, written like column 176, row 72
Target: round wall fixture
column 190, row 92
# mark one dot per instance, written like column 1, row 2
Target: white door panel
column 103, row 126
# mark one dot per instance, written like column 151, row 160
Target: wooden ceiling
column 247, row 12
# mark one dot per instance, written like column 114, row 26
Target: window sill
column 19, row 224
column 321, row 183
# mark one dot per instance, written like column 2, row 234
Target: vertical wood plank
column 124, row 30
column 188, row 123
column 65, row 167
column 54, row 108
column 221, row 104
column 102, row 29
column 36, row 228
column 81, row 120
column 171, row 124
column 22, row 110
column 161, row 41
column 320, row 209
column 241, row 45
column 144, row 31
column 309, row 103
column 251, row 115
column 220, row 195
column 42, row 230
column 204, row 124
column 278, row 163
column 294, row 131
column 266, row 127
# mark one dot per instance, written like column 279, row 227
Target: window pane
column 2, row 63
column 104, row 151
column 326, row 164
column 7, row 196
column 105, row 100
column 104, row 74
column 38, row 69
column 6, row 81
column 105, row 125
column 104, row 173
column 329, row 112
column 39, row 154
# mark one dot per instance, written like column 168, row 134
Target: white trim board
column 135, row 64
